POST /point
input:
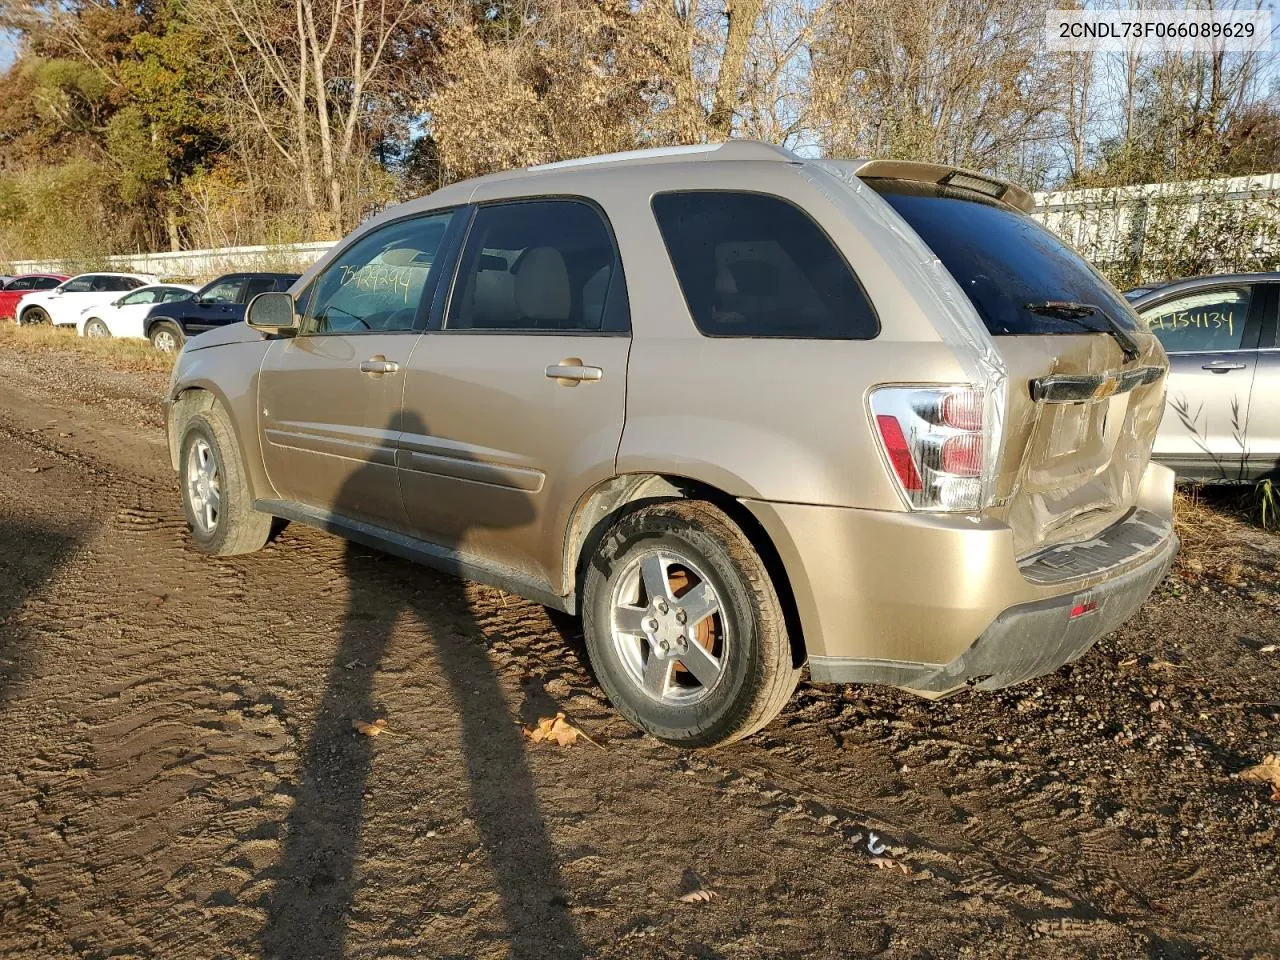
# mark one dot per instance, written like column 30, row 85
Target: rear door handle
column 572, row 371
column 1222, row 366
column 378, row 365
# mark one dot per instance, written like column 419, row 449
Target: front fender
column 229, row 376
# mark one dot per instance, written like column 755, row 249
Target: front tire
column 166, row 336
column 684, row 627
column 96, row 328
column 216, row 497
column 34, row 317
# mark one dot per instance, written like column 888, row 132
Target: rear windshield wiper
column 1073, row 312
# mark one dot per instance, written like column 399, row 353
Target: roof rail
column 728, row 150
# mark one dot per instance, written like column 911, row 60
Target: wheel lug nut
column 662, row 606
column 664, row 645
column 681, row 616
column 653, row 624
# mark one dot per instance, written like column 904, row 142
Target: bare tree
column 305, row 71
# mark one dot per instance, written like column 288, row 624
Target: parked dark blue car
column 216, row 304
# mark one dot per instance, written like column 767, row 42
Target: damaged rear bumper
column 935, row 602
column 1025, row 641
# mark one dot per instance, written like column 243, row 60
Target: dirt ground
column 179, row 777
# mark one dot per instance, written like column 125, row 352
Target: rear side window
column 256, row 285
column 539, row 265
column 1003, row 260
column 43, row 283
column 753, row 265
column 1204, row 320
column 110, row 284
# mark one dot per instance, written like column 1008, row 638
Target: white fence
column 198, row 263
column 1129, row 225
column 1110, row 226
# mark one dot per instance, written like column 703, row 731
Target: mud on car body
column 739, row 410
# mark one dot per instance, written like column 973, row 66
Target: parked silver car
column 1222, row 415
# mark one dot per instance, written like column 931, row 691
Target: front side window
column 1205, row 320
column 19, row 284
column 546, row 265
column 221, row 291
column 376, row 284
column 79, row 284
column 142, row 296
column 753, row 265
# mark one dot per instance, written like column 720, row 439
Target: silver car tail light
column 934, row 440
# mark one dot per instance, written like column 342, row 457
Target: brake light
column 934, row 440
column 895, row 445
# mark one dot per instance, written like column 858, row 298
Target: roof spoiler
column 949, row 176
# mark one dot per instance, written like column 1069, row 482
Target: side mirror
column 272, row 313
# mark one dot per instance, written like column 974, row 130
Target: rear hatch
column 1085, row 378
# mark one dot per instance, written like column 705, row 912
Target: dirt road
column 179, row 777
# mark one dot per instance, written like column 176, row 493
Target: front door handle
column 571, row 371
column 377, row 366
column 1222, row 366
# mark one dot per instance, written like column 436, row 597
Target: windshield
column 1006, row 262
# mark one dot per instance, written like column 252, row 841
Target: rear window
column 1003, row 259
column 752, row 265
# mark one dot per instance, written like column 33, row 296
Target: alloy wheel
column 667, row 627
column 204, row 486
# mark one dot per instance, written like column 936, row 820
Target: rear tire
column 703, row 561
column 96, row 328
column 166, row 336
column 34, row 317
column 216, row 497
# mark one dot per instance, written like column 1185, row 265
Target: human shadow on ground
column 30, row 554
column 317, row 873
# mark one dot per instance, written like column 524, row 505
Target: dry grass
column 126, row 355
column 1223, row 541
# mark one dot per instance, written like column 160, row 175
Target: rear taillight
column 934, row 441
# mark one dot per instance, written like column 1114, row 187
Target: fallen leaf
column 1268, row 771
column 698, row 896
column 888, row 863
column 559, row 729
column 374, row 729
column 1269, row 648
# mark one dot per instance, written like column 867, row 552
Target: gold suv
column 740, row 410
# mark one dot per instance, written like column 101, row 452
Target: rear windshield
column 1003, row 259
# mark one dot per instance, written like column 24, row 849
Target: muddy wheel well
column 602, row 508
column 187, row 405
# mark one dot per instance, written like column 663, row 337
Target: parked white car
column 63, row 305
column 127, row 316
